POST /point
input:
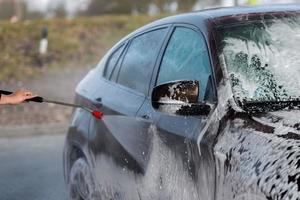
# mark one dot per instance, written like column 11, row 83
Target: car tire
column 81, row 184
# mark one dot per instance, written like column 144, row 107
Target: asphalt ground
column 31, row 166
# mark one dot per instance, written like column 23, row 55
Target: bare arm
column 17, row 97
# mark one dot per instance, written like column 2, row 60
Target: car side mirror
column 179, row 97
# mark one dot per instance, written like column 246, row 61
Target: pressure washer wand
column 67, row 104
column 38, row 99
column 96, row 114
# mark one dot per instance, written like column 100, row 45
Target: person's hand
column 18, row 97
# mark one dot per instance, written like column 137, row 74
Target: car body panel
column 138, row 153
column 263, row 153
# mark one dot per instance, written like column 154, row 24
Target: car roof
column 215, row 15
column 245, row 10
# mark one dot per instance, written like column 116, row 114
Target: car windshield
column 262, row 58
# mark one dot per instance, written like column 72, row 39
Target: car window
column 186, row 58
column 138, row 63
column 113, row 59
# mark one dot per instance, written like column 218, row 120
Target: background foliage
column 80, row 41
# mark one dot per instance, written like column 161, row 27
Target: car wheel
column 81, row 183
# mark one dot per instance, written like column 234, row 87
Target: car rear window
column 112, row 61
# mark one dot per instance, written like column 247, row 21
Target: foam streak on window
column 262, row 59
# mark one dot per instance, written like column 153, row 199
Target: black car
column 203, row 105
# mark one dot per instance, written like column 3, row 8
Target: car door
column 119, row 141
column 175, row 168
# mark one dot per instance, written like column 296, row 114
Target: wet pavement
column 31, row 168
column 31, row 141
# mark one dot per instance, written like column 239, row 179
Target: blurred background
column 48, row 46
column 76, row 34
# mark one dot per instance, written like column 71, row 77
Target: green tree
column 30, row 15
column 141, row 6
column 161, row 4
column 60, row 11
column 186, row 5
column 7, row 9
column 98, row 7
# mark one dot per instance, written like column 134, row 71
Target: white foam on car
column 281, row 57
column 166, row 177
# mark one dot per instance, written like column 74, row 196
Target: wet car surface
column 203, row 105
